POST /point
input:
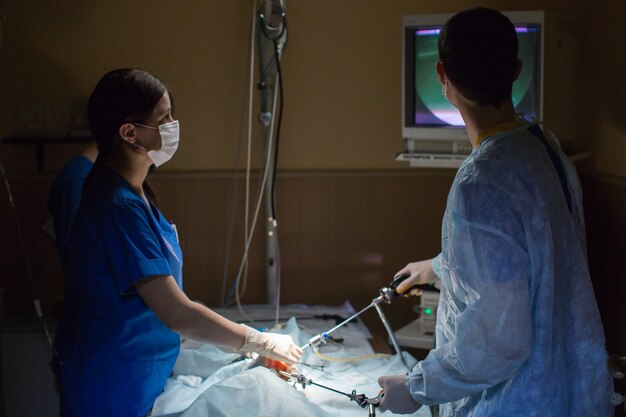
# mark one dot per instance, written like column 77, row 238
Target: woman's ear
column 127, row 132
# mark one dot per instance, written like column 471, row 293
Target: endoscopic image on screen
column 432, row 108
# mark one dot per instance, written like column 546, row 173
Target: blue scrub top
column 63, row 201
column 117, row 354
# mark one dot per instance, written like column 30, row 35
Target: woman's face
column 150, row 139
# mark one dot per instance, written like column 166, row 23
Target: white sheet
column 243, row 388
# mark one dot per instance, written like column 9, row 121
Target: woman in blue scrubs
column 125, row 308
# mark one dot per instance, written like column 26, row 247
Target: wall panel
column 342, row 235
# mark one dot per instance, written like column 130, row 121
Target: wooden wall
column 601, row 94
column 606, row 235
column 342, row 73
column 342, row 234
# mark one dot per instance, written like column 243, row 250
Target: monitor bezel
column 451, row 133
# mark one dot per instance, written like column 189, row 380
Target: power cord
column 29, row 269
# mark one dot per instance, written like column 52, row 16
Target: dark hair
column 478, row 49
column 122, row 95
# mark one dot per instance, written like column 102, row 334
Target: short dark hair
column 478, row 49
column 122, row 95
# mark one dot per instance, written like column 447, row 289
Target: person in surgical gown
column 63, row 201
column 518, row 329
column 64, row 197
column 125, row 308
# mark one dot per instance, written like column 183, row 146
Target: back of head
column 478, row 49
column 122, row 95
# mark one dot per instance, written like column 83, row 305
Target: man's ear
column 518, row 69
column 127, row 132
column 441, row 73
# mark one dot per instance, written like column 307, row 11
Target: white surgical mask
column 169, row 142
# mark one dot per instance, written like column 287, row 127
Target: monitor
column 426, row 115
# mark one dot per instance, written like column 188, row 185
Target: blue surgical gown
column 63, row 201
column 518, row 329
column 116, row 353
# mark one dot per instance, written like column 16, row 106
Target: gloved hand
column 271, row 345
column 397, row 398
column 420, row 273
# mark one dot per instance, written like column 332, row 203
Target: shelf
column 431, row 160
column 438, row 160
column 41, row 142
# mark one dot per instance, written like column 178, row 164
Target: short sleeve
column 133, row 245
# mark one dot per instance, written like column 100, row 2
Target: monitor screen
column 424, row 104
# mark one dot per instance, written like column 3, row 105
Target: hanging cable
column 251, row 60
column 280, row 120
column 255, row 217
column 231, row 225
column 274, row 35
column 29, row 269
column 269, row 67
column 226, row 302
column 238, row 294
column 273, row 180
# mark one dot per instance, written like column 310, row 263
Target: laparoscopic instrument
column 361, row 399
column 386, row 294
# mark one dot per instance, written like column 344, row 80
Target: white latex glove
column 420, row 273
column 271, row 345
column 397, row 398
